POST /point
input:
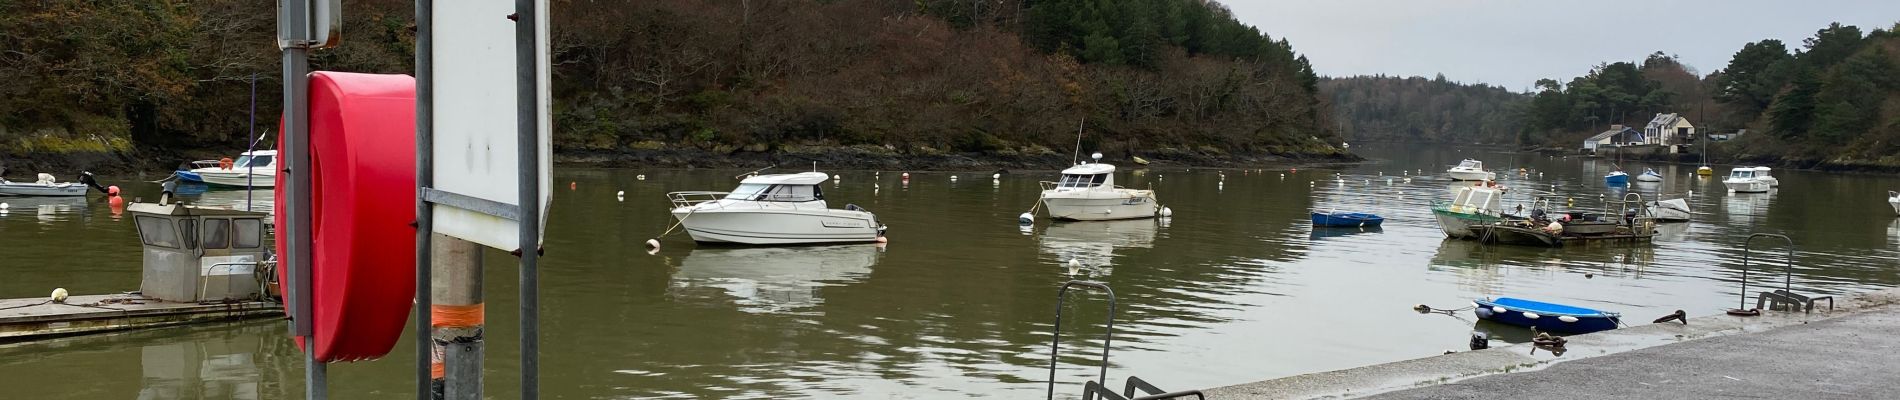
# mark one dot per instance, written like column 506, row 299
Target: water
column 1236, row 287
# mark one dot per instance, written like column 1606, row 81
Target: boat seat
column 1783, row 299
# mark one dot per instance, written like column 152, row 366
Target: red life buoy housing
column 363, row 147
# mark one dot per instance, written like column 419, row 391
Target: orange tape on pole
column 455, row 316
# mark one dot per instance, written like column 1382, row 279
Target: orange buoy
column 363, row 151
column 225, row 163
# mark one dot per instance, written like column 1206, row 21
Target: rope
column 676, row 224
column 25, row 306
column 1425, row 309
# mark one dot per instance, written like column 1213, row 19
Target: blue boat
column 188, row 176
column 1617, row 178
column 1346, row 219
column 1547, row 317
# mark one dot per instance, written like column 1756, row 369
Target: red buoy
column 363, row 151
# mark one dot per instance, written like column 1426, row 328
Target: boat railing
column 1052, row 185
column 693, row 198
column 204, row 164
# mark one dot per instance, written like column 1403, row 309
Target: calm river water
column 1235, row 287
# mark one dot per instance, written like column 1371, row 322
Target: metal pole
column 458, row 318
column 250, row 168
column 295, row 32
column 528, row 127
column 425, row 171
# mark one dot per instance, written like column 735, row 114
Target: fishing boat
column 1346, row 219
column 1649, row 175
column 1550, row 317
column 1745, row 180
column 1762, row 174
column 1617, row 178
column 1470, row 170
column 251, row 169
column 1677, row 210
column 1087, row 192
column 777, row 209
column 47, row 185
column 1472, row 206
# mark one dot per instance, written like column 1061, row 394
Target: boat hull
column 1649, row 178
column 1457, row 225
column 1502, row 234
column 1617, row 180
column 1347, row 219
column 238, row 178
column 68, row 189
column 188, row 176
column 1672, row 210
column 1754, row 186
column 778, row 227
column 1895, row 202
column 1545, row 316
column 1471, row 175
column 1101, row 208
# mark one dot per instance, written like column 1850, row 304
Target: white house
column 1669, row 130
column 1618, row 135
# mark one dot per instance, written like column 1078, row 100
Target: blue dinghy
column 1545, row 316
column 1346, row 219
column 1617, row 178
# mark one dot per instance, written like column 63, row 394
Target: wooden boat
column 1504, row 233
column 1545, row 316
column 1346, row 219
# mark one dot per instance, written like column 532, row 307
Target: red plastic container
column 363, row 144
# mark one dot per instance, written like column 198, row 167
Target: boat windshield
column 765, row 192
column 1471, row 164
column 1082, row 181
column 252, row 161
column 1742, row 174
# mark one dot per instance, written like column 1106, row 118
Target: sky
column 1515, row 43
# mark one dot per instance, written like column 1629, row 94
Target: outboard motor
column 165, row 195
column 86, row 178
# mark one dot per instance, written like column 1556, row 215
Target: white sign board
column 474, row 100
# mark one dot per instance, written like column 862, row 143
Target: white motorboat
column 1649, row 175
column 47, row 185
column 773, row 210
column 1471, row 170
column 1087, row 192
column 1893, row 199
column 1762, row 174
column 1745, row 180
column 1671, row 210
column 252, row 169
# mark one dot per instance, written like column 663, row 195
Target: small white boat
column 1649, row 175
column 1762, row 174
column 1087, row 192
column 47, row 185
column 252, row 169
column 773, row 210
column 1893, row 199
column 1671, row 210
column 1745, row 180
column 1473, row 205
column 1471, row 170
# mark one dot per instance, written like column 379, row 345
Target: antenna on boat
column 1076, row 157
column 742, row 176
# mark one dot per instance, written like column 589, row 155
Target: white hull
column 1772, row 182
column 1648, row 178
column 1895, row 202
column 1472, row 175
column 778, row 227
column 263, row 177
column 1669, row 210
column 1454, row 227
column 1100, row 208
column 1748, row 186
column 35, row 189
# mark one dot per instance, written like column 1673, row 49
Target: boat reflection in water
column 220, row 365
column 1093, row 243
column 1321, row 232
column 775, row 279
column 1744, row 209
column 47, row 209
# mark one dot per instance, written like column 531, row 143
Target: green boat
column 1474, row 205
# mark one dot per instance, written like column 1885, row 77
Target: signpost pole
column 294, row 39
column 528, row 126
column 425, row 221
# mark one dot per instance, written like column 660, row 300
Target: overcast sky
column 1515, row 43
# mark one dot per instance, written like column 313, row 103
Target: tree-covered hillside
column 1000, row 79
column 1416, row 109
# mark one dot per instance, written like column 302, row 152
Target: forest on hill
column 1011, row 79
column 1416, row 109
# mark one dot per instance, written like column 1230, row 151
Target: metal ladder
column 1784, row 298
column 1097, row 388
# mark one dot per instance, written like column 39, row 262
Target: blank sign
column 474, row 102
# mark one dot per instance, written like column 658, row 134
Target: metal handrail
column 1055, row 340
column 203, row 283
column 1747, row 248
column 693, row 198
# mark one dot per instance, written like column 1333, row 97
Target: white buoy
column 953, row 177
column 835, row 177
column 1074, row 266
column 1531, row 315
column 620, row 193
column 1567, row 318
column 906, row 175
column 653, row 244
column 1167, row 212
column 640, row 177
column 998, row 175
column 59, row 295
column 4, row 206
column 1282, row 176
column 1026, row 218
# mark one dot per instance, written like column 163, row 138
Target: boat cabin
column 1747, row 173
column 1087, row 176
column 1477, row 199
column 1474, row 165
column 1761, row 172
column 194, row 254
column 259, row 159
column 794, row 188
